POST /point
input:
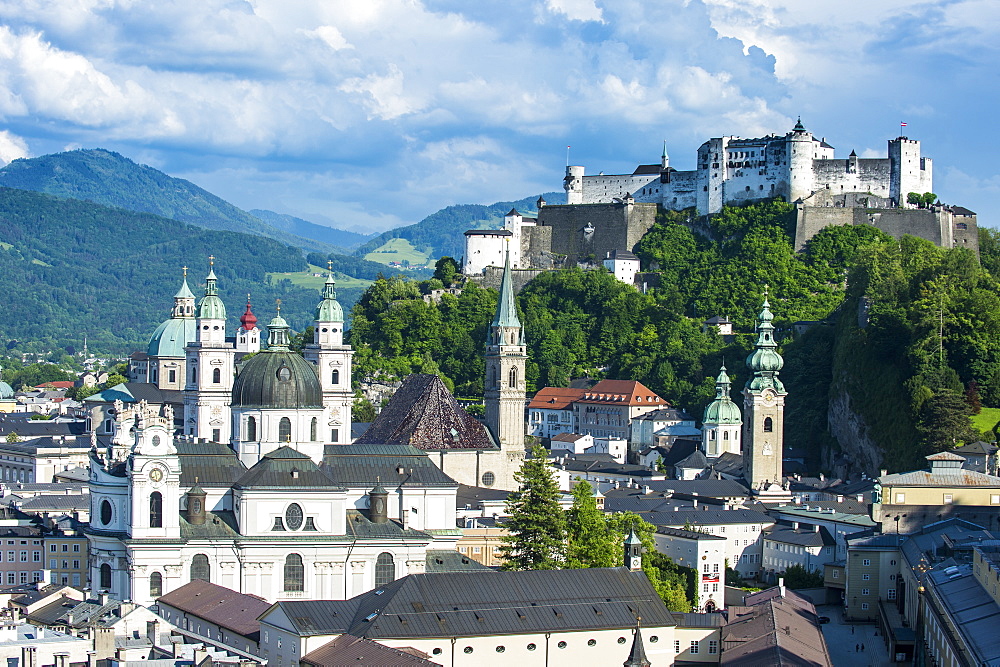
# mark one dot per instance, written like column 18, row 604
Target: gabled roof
column 286, row 468
column 569, row 437
column 979, row 448
column 621, row 392
column 465, row 604
column 219, row 605
column 696, row 460
column 361, row 465
column 351, row 650
column 772, row 629
column 555, row 398
column 424, row 414
column 208, row 464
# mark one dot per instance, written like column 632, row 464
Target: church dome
column 277, row 379
column 6, row 391
column 722, row 411
column 765, row 359
column 171, row 337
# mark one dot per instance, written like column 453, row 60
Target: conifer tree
column 590, row 543
column 536, row 531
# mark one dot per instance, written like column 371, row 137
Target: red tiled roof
column 57, row 384
column 555, row 398
column 618, row 392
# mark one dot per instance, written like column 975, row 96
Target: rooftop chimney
column 815, row 527
column 781, row 586
column 795, row 525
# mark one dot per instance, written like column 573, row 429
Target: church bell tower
column 764, row 408
column 505, row 362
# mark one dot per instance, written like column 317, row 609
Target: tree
column 536, row 530
column 914, row 198
column 13, row 437
column 928, row 199
column 944, row 421
column 797, row 576
column 972, row 397
column 362, row 409
column 589, row 542
column 445, row 270
column 115, row 379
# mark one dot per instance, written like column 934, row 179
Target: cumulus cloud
column 12, row 147
column 312, row 104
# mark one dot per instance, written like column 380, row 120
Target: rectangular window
column 866, row 562
column 24, row 577
column 864, row 606
column 334, row 435
column 53, row 563
column 216, row 435
column 866, row 576
column 36, row 556
column 24, row 556
column 11, row 578
column 866, row 591
column 947, row 499
column 52, row 547
column 836, row 574
column 995, row 499
column 65, row 548
column 713, row 646
column 677, row 646
column 76, row 579
column 11, row 556
column 76, row 548
column 694, row 646
column 900, row 498
column 890, row 594
column 76, row 565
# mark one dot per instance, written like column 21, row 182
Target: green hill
column 105, row 177
column 441, row 233
column 73, row 269
column 340, row 238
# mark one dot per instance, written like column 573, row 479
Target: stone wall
column 594, row 230
column 492, row 276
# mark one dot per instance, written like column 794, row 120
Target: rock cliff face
column 858, row 452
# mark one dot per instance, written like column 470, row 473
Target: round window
column 654, row 639
column 561, row 644
column 621, row 640
column 467, row 649
column 489, row 479
column 531, row 647
column 293, row 516
column 284, row 374
column 591, row 642
column 324, row 329
column 436, row 651
column 501, row 649
column 105, row 512
column 156, row 441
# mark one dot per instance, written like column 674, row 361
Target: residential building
column 979, row 456
column 662, row 427
column 742, row 528
column 214, row 614
column 701, row 552
column 67, row 555
column 608, row 408
column 840, row 525
column 622, row 264
column 574, row 443
column 786, row 545
column 550, row 411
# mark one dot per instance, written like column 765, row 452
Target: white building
column 807, row 546
column 624, row 265
column 702, row 552
column 550, row 411
column 742, row 529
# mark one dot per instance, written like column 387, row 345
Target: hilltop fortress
column 610, row 212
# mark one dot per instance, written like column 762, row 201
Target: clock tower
column 764, row 408
column 154, row 474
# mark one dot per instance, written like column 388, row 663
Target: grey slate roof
column 803, row 537
column 209, row 465
column 424, row 414
column 773, row 630
column 695, row 460
column 448, row 560
column 216, row 604
column 351, row 650
column 360, row 465
column 487, row 603
column 708, row 517
column 286, row 468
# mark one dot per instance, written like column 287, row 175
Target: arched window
column 155, row 510
column 725, row 435
column 295, row 573
column 312, row 429
column 768, row 425
column 512, row 377
column 194, row 374
column 493, row 376
column 335, row 376
column 285, row 430
column 251, row 428
column 217, row 375
column 385, row 569
column 200, row 569
column 106, row 577
column 155, row 585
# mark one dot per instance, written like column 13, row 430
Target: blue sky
column 369, row 114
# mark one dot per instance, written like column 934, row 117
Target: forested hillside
column 932, row 329
column 441, row 233
column 343, row 240
column 73, row 269
column 105, row 177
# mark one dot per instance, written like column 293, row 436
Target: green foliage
column 40, row 417
column 446, row 270
column 33, row 375
column 536, row 530
column 362, row 410
column 589, row 542
column 352, row 266
column 797, row 576
column 13, row 437
column 110, row 274
column 944, row 421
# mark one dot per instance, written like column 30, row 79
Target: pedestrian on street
column 856, row 649
column 862, row 648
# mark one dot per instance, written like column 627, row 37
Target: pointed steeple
column 248, row 320
column 764, row 361
column 183, row 300
column 799, row 127
column 506, row 315
column 664, row 159
column 637, row 656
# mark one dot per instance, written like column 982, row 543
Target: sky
column 371, row 114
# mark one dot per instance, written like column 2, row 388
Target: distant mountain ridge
column 340, row 238
column 442, row 232
column 108, row 178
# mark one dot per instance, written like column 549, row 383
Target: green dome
column 765, row 359
column 171, row 337
column 211, row 308
column 6, row 391
column 277, row 379
column 329, row 309
column 722, row 411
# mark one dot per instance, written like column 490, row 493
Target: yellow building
column 65, row 557
column 904, row 502
column 481, row 541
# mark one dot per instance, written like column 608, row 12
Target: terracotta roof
column 351, row 650
column 774, row 628
column 555, row 398
column 424, row 414
column 219, row 605
column 618, row 392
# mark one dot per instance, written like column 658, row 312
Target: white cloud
column 330, row 36
column 12, row 147
column 576, row 10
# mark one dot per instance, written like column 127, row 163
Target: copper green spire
column 506, row 308
column 211, row 306
column 764, row 361
column 329, row 309
column 184, row 292
column 277, row 331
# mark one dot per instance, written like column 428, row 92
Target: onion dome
column 211, row 306
column 276, row 377
column 722, row 410
column 248, row 320
column 764, row 361
column 329, row 309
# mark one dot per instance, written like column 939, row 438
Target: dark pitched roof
column 446, row 560
column 286, row 468
column 774, row 628
column 707, row 517
column 487, row 603
column 424, row 414
column 694, row 460
column 473, row 495
column 361, row 465
column 804, row 537
column 219, row 605
column 208, row 464
column 351, row 650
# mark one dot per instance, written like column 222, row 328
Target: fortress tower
column 764, row 408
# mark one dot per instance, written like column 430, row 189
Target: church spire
column 329, row 309
column 637, row 656
column 506, row 315
column 183, row 300
column 764, row 361
column 211, row 306
column 277, row 332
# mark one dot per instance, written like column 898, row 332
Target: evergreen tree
column 536, row 531
column 589, row 541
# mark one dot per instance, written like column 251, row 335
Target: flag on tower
column 902, row 124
